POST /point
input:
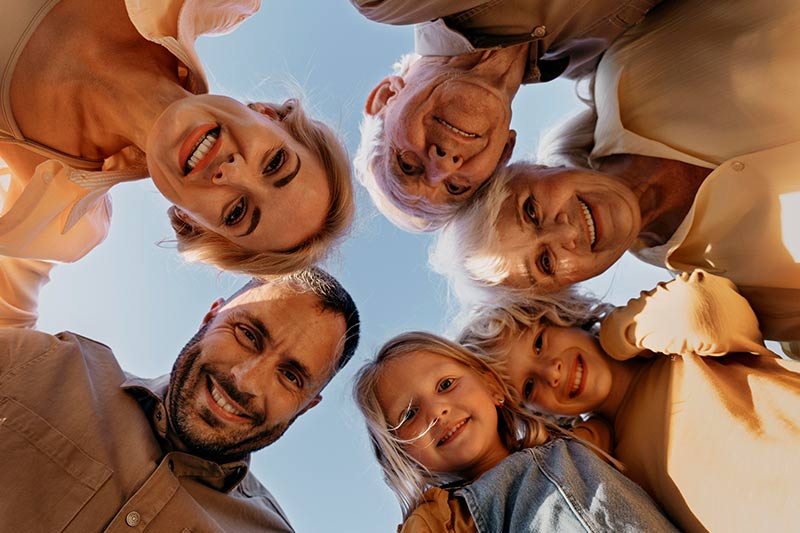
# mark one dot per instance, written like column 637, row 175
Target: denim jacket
column 560, row 486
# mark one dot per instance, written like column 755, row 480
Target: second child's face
column 560, row 371
column 425, row 390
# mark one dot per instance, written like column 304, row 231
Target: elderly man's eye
column 407, row 164
column 292, row 378
column 455, row 189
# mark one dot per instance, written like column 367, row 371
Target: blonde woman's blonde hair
column 407, row 478
column 196, row 243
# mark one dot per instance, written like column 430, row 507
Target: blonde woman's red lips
column 203, row 143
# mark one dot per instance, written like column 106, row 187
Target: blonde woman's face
column 445, row 410
column 238, row 172
column 560, row 371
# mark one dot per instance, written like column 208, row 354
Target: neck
column 625, row 373
column 503, row 68
column 665, row 188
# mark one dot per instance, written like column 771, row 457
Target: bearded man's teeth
column 224, row 405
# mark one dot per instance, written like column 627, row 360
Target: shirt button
column 133, row 518
column 738, row 166
column 539, row 32
column 47, row 178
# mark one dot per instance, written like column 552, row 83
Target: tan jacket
column 566, row 37
column 84, row 448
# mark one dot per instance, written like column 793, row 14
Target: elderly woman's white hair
column 409, row 212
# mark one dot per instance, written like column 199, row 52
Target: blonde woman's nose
column 228, row 169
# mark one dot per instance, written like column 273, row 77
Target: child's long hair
column 405, row 476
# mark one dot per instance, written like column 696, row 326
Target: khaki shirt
column 566, row 37
column 83, row 448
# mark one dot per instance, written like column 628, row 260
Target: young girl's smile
column 561, row 370
column 446, row 411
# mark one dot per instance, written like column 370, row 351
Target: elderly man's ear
column 383, row 93
column 508, row 149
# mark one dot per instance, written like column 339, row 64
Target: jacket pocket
column 46, row 479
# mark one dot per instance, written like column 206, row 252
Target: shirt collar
column 150, row 393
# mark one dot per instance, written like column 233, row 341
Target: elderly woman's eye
column 546, row 263
column 530, row 211
column 455, row 189
column 237, row 212
column 275, row 163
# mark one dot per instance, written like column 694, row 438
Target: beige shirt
column 566, row 37
column 712, row 439
column 714, row 84
column 84, row 448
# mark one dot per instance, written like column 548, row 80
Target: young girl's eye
column 527, row 390
column 275, row 163
column 538, row 341
column 407, row 415
column 445, row 384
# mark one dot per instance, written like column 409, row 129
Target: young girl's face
column 561, row 371
column 423, row 390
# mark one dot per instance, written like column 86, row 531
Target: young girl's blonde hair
column 408, row 478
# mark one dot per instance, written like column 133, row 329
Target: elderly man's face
column 258, row 363
column 446, row 131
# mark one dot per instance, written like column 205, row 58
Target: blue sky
column 143, row 301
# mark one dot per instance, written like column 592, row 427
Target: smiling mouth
column 578, row 379
column 455, row 129
column 201, row 149
column 452, row 432
column 590, row 227
column 222, row 400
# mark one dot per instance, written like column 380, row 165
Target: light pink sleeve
column 697, row 313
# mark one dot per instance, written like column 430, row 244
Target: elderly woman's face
column 563, row 225
column 445, row 134
column 238, row 172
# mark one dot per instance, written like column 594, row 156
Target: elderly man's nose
column 443, row 162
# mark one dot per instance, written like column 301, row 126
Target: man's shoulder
column 251, row 487
column 21, row 348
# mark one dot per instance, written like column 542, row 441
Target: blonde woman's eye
column 446, row 384
column 236, row 213
column 276, row 163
